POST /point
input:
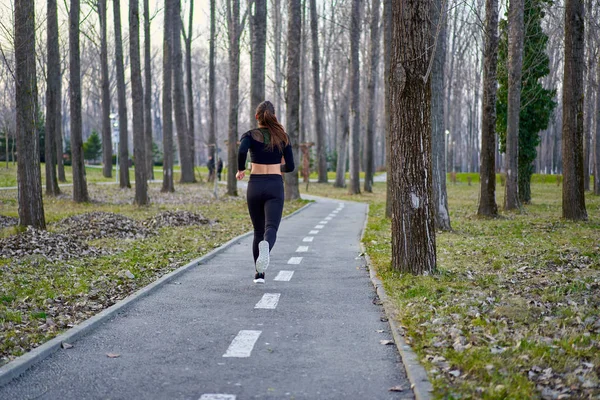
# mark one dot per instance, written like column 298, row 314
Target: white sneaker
column 262, row 263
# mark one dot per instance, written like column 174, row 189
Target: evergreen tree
column 92, row 148
column 537, row 103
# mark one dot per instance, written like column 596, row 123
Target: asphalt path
column 314, row 330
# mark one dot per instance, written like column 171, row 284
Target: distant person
column 268, row 145
column 211, row 168
column 219, row 168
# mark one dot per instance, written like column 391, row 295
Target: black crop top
column 260, row 153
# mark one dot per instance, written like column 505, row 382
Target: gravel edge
column 417, row 376
column 21, row 364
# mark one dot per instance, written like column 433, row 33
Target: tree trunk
column 438, row 136
column 186, row 164
column 52, row 100
column 342, row 143
column 387, row 57
column 60, row 162
column 515, row 66
column 137, row 101
column 233, row 13
column 317, row 98
column 211, row 85
column 413, row 233
column 31, row 206
column 190, row 92
column 294, row 35
column 487, row 170
column 106, row 125
column 258, row 22
column 354, row 186
column 276, row 6
column 304, row 108
column 373, row 69
column 573, row 196
column 588, row 103
column 597, row 136
column 167, row 101
column 149, row 140
column 80, row 193
column 122, row 100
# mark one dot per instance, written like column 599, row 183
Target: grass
column 8, row 176
column 39, row 299
column 513, row 311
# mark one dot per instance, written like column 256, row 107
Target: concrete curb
column 417, row 376
column 18, row 366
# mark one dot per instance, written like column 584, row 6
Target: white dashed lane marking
column 295, row 260
column 323, row 222
column 319, row 226
column 313, row 232
column 242, row 344
column 308, row 239
column 327, row 218
column 217, row 396
column 269, row 301
column 284, row 276
column 302, row 249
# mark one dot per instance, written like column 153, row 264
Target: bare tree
column 342, row 142
column 106, row 125
column 413, row 233
column 122, row 100
column 52, row 99
column 354, row 186
column 80, row 193
column 515, row 66
column 438, row 136
column 573, row 196
column 186, row 163
column 487, row 172
column 597, row 137
column 258, row 28
column 137, row 101
column 317, row 98
column 167, row 101
column 189, row 84
column 588, row 103
column 31, row 206
column 292, row 118
column 211, row 85
column 373, row 68
column 148, row 92
column 277, row 23
column 387, row 53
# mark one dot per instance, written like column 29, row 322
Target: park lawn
column 93, row 173
column 40, row 299
column 514, row 310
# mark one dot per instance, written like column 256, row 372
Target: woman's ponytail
column 266, row 117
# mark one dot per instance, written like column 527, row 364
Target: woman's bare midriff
column 265, row 169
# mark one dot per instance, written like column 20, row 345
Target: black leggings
column 265, row 205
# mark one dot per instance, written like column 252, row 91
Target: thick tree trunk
column 373, row 69
column 106, row 125
column 342, row 140
column 294, row 33
column 149, row 140
column 573, row 196
column 60, row 162
column 387, row 56
column 438, row 136
column 167, row 101
column 31, row 206
column 122, row 100
column 588, row 103
column 189, row 90
column 515, row 66
column 52, row 100
column 211, row 85
column 186, row 164
column 137, row 101
column 413, row 233
column 80, row 193
column 487, row 170
column 354, row 186
column 233, row 13
column 258, row 22
column 276, row 7
column 317, row 98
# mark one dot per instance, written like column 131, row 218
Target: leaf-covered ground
column 514, row 310
column 98, row 253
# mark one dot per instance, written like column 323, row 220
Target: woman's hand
column 240, row 175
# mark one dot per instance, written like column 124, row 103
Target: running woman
column 269, row 145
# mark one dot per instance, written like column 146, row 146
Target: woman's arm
column 243, row 152
column 288, row 156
